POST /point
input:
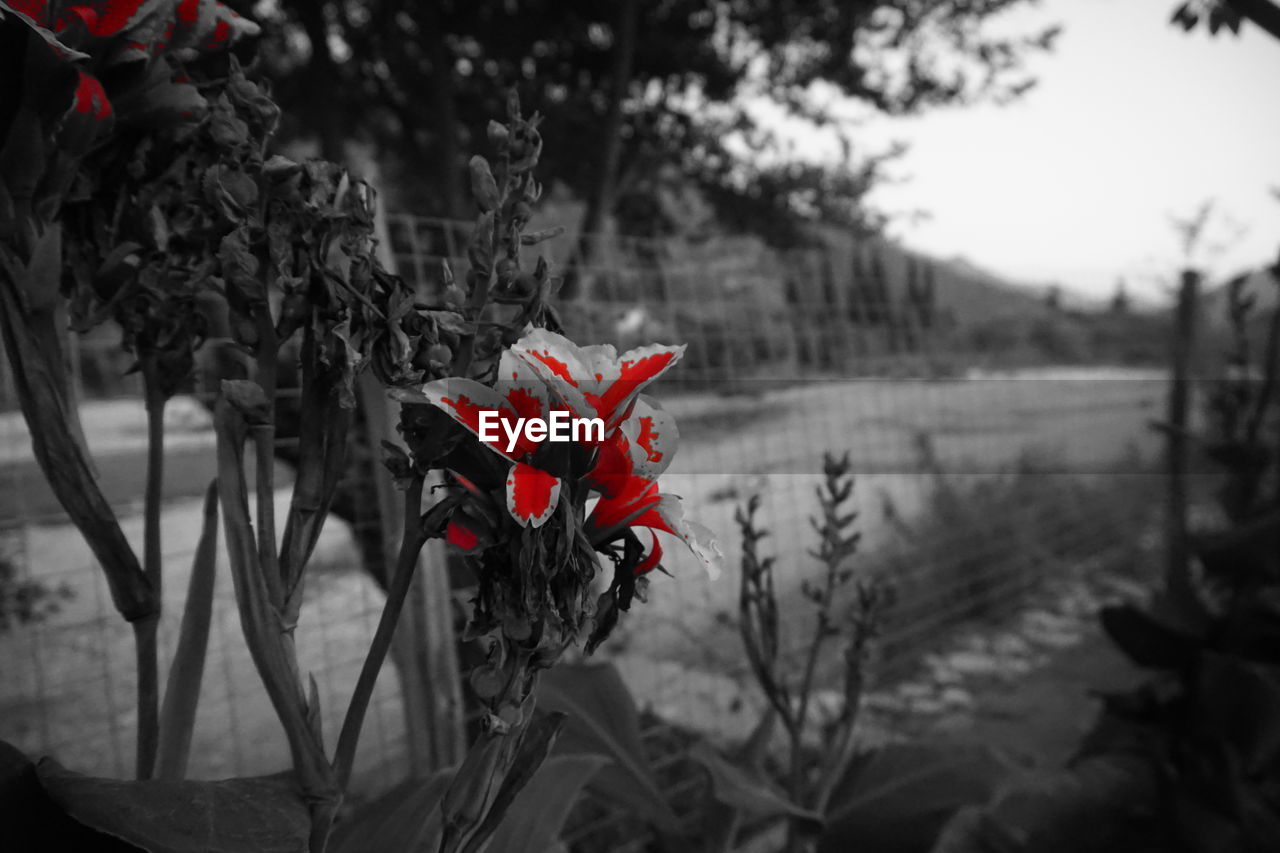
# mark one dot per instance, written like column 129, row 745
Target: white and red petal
column 515, row 370
column 532, row 494
column 651, row 438
column 558, row 362
column 668, row 515
column 636, row 369
column 466, row 401
column 596, row 374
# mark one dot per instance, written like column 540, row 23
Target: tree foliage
column 642, row 92
column 1228, row 14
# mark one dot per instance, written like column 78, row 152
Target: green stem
column 270, row 640
column 145, row 632
column 152, row 561
column 412, row 541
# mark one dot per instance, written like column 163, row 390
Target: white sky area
column 1134, row 122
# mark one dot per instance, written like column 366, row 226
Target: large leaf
column 897, row 798
column 29, row 820
column 186, row 673
column 602, row 719
column 537, row 815
column 263, row 814
column 406, row 819
column 531, row 754
column 748, row 792
column 32, row 342
column 1102, row 805
column 1240, row 701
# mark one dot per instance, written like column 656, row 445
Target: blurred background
column 947, row 238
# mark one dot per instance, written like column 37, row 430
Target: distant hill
column 977, row 294
column 966, row 291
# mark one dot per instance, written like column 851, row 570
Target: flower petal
column 637, row 368
column 651, row 560
column 559, row 363
column 607, row 383
column 461, row 537
column 532, row 494
column 108, row 17
column 36, row 10
column 652, row 439
column 631, row 499
column 91, row 99
column 613, row 469
column 668, row 515
column 466, row 401
column 516, row 371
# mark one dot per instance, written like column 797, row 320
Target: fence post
column 1178, row 582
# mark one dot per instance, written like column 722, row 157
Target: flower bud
column 498, row 136
column 454, row 298
column 440, row 353
column 483, row 186
column 507, row 270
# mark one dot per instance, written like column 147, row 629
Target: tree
column 1120, row 299
column 1053, row 298
column 636, row 87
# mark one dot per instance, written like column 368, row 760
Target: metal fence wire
column 973, row 486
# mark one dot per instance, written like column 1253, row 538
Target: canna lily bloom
column 626, row 475
column 541, row 375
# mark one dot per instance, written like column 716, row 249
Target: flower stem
column 413, row 538
column 147, row 629
column 148, row 707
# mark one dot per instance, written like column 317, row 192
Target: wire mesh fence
column 973, row 486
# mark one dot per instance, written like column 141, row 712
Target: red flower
column 626, row 475
column 541, row 375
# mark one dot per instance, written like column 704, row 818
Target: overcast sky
column 1134, row 121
